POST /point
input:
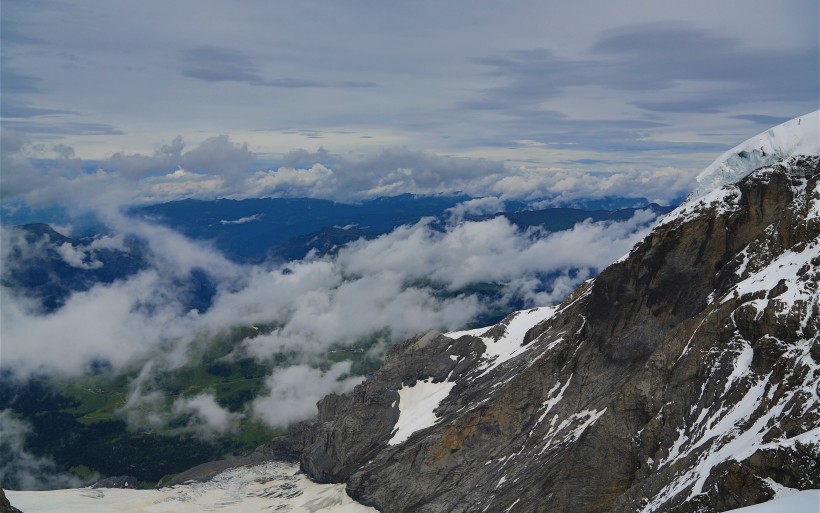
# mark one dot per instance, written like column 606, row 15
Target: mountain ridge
column 680, row 379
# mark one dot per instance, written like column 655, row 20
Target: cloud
column 145, row 404
column 15, row 108
column 661, row 73
column 292, row 393
column 651, row 57
column 76, row 257
column 119, row 323
column 217, row 64
column 206, row 417
column 476, row 207
column 386, row 173
column 215, row 167
column 21, row 469
column 13, row 81
column 761, row 119
column 54, row 129
column 242, row 220
column 214, row 64
column 662, row 185
column 391, row 286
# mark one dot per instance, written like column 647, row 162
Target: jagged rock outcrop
column 353, row 428
column 5, row 505
column 117, row 482
column 682, row 379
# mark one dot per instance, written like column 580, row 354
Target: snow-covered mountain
column 683, row 378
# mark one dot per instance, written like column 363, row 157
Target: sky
column 497, row 98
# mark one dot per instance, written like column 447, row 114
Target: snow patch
column 722, row 200
column 728, row 434
column 509, row 344
column 416, row 407
column 814, row 207
column 786, row 268
column 571, row 428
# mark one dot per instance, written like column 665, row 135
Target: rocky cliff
column 684, row 378
column 5, row 506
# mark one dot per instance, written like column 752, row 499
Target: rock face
column 684, row 378
column 117, row 482
column 5, row 506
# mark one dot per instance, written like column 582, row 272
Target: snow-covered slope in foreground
column 800, row 136
column 272, row 486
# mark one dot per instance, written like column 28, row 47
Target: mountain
column 41, row 263
column 285, row 229
column 253, row 230
column 681, row 379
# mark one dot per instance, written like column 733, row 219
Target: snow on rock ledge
column 416, row 406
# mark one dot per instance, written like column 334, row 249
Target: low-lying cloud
column 19, row 468
column 292, row 393
column 380, row 291
column 410, row 280
column 206, row 416
column 221, row 168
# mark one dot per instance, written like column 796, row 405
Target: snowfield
column 799, row 136
column 272, row 486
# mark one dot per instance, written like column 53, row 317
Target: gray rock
column 5, row 505
column 636, row 395
column 117, row 482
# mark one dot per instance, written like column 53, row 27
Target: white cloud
column 104, row 242
column 78, row 257
column 386, row 287
column 145, row 406
column 565, row 186
column 206, row 416
column 117, row 323
column 19, row 468
column 174, row 174
column 294, row 391
column 476, row 207
column 242, row 220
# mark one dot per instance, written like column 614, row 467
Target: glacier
column 798, row 136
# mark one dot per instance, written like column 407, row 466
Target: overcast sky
column 588, row 85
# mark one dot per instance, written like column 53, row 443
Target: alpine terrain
column 683, row 378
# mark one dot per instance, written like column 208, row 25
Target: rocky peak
column 681, row 379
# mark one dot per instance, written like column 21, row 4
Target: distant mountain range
column 246, row 231
column 254, row 230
